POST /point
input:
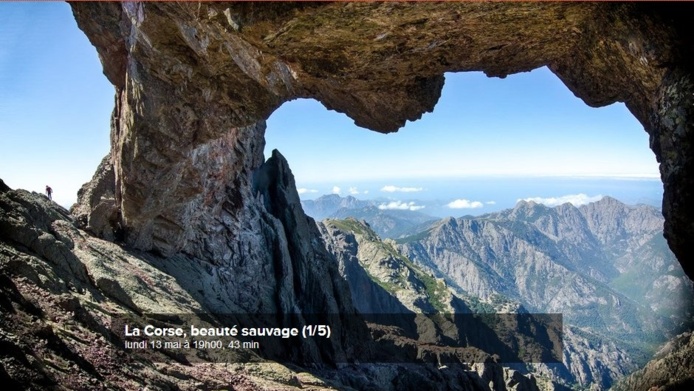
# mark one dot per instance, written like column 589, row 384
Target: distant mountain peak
column 450, row 221
column 528, row 204
column 528, row 209
column 608, row 200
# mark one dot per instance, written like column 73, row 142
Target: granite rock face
column 96, row 210
column 380, row 279
column 194, row 83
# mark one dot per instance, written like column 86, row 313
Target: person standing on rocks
column 49, row 192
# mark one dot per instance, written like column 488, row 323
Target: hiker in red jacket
column 49, row 192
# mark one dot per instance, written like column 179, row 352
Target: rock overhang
column 196, row 81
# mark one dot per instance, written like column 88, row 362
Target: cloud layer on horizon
column 399, row 205
column 355, row 191
column 462, row 203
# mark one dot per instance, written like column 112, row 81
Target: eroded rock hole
column 187, row 189
column 511, row 194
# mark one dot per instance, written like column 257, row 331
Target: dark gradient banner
column 306, row 339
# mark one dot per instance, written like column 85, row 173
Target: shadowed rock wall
column 194, row 83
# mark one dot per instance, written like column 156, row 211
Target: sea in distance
column 443, row 197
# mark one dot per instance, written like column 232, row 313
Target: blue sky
column 55, row 107
column 488, row 143
column 55, row 103
column 528, row 124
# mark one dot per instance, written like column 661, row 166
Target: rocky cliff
column 62, row 290
column 278, row 266
column 380, row 278
column 250, row 247
column 369, row 297
column 195, row 81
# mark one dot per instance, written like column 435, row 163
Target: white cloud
column 336, row 190
column 490, row 202
column 353, row 191
column 399, row 205
column 575, row 199
column 393, row 189
column 366, row 192
column 304, row 190
column 462, row 203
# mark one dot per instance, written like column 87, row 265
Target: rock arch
column 195, row 82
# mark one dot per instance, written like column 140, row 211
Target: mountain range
column 605, row 266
